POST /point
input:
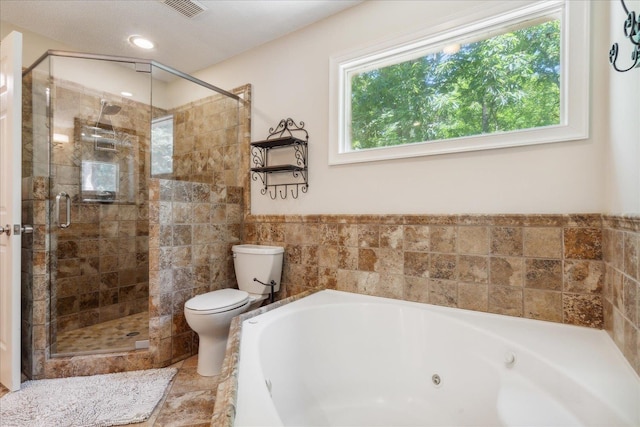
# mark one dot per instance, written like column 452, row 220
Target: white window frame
column 574, row 85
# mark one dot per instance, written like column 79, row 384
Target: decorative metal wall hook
column 283, row 192
column 631, row 28
column 272, row 192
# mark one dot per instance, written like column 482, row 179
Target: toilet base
column 210, row 356
column 213, row 332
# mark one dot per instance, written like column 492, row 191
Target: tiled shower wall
column 101, row 262
column 195, row 215
column 202, row 149
column 193, row 226
column 35, row 276
column 102, row 266
column 621, row 249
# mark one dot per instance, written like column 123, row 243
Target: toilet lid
column 220, row 300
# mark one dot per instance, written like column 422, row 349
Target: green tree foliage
column 503, row 83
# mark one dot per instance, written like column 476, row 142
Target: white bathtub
column 341, row 359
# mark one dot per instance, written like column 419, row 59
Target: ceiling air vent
column 188, row 8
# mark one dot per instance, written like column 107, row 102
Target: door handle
column 67, row 223
column 18, row 229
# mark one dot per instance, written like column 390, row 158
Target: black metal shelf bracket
column 287, row 134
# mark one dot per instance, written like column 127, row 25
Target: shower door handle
column 68, row 215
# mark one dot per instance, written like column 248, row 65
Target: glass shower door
column 99, row 268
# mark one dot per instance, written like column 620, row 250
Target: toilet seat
column 217, row 301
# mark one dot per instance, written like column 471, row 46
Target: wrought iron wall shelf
column 282, row 137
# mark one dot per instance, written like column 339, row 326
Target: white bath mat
column 98, row 400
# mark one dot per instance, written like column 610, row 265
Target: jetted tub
column 341, row 359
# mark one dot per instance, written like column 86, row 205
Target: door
column 10, row 207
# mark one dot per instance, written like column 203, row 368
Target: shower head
column 108, row 109
column 103, row 124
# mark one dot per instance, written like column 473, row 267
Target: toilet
column 210, row 314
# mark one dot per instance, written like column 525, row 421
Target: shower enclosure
column 98, row 133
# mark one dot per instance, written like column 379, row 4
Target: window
column 162, row 145
column 99, row 180
column 515, row 79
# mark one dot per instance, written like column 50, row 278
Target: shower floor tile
column 114, row 335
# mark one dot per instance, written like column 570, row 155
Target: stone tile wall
column 35, row 297
column 205, row 141
column 193, row 226
column 621, row 249
column 546, row 267
column 102, row 265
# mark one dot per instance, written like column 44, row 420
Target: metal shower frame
column 138, row 62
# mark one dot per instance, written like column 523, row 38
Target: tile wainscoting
column 621, row 293
column 546, row 267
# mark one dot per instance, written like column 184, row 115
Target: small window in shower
column 99, row 181
column 162, row 145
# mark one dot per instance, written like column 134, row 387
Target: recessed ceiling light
column 141, row 42
column 128, row 94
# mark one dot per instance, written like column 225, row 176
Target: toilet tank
column 257, row 261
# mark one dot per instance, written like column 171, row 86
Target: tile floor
column 106, row 336
column 188, row 401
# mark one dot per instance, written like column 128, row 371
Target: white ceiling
column 225, row 29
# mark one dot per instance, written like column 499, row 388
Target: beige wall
column 290, row 77
column 623, row 148
column 601, row 174
column 33, row 45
